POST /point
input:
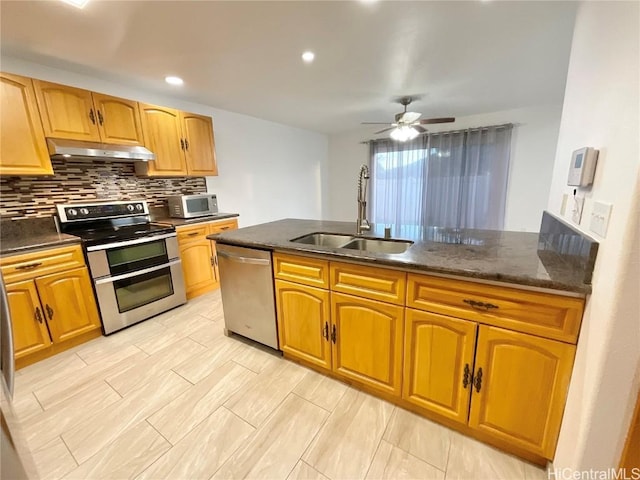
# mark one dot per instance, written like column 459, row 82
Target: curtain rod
column 448, row 132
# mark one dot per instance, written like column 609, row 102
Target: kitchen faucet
column 362, row 224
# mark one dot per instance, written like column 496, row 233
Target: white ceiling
column 462, row 57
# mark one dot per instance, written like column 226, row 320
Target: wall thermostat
column 583, row 167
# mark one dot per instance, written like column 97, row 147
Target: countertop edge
column 39, row 246
column 183, row 222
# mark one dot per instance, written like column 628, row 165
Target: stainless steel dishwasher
column 246, row 283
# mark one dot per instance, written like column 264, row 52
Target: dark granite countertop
column 178, row 222
column 21, row 236
column 500, row 256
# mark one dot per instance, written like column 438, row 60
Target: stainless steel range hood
column 61, row 148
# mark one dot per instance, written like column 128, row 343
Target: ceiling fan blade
column 374, row 123
column 426, row 121
column 385, row 130
column 419, row 128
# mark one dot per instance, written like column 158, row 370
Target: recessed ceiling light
column 308, row 57
column 77, row 3
column 173, row 80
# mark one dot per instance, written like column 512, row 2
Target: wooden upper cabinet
column 163, row 136
column 438, row 363
column 29, row 327
column 118, row 120
column 199, row 149
column 67, row 112
column 23, row 150
column 520, row 388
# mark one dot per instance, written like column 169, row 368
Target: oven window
column 198, row 205
column 143, row 289
column 136, row 257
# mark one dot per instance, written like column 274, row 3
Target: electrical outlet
column 576, row 212
column 600, row 218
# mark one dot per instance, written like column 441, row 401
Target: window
column 450, row 179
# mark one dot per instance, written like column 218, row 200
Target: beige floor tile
column 105, row 351
column 275, row 448
column 93, row 434
column 260, row 397
column 420, row 437
column 63, row 416
column 304, row 471
column 198, row 367
column 203, row 450
column 180, row 416
column 60, row 391
column 534, row 472
column 472, row 460
column 154, row 366
column 53, row 460
column 209, row 334
column 126, row 457
column 254, row 356
column 26, row 406
column 156, row 343
column 392, row 463
column 347, row 442
column 138, row 332
column 321, row 390
column 47, row 371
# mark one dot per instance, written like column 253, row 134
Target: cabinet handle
column 38, row 315
column 480, row 305
column 215, row 258
column 181, row 144
column 29, row 266
column 100, row 119
column 192, row 234
column 49, row 311
column 186, row 144
column 325, row 331
column 466, row 377
column 224, row 228
column 478, row 380
column 92, row 116
column 333, row 334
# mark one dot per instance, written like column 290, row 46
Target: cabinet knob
column 186, row 144
column 92, row 116
column 478, row 380
column 38, row 315
column 100, row 119
column 181, row 144
column 333, row 334
column 49, row 311
column 325, row 331
column 466, row 377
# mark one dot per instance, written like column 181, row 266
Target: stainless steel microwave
column 191, row 206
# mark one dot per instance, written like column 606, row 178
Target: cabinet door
column 118, row 120
column 438, row 363
column 23, row 150
column 200, row 146
column 303, row 322
column 69, row 304
column 368, row 341
column 199, row 273
column 162, row 135
column 29, row 328
column 67, row 112
column 520, row 387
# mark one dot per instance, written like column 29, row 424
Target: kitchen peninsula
column 475, row 329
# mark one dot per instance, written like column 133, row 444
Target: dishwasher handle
column 239, row 259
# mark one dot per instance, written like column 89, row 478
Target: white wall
column 601, row 110
column 266, row 170
column 532, row 155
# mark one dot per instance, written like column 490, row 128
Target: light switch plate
column 600, row 218
column 576, row 211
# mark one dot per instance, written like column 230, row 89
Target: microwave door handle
column 137, row 273
column 128, row 243
column 239, row 259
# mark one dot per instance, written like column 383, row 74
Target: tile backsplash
column 86, row 180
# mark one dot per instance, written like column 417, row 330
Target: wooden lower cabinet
column 68, row 304
column 438, row 363
column 303, row 322
column 520, row 387
column 30, row 334
column 197, row 267
column 368, row 341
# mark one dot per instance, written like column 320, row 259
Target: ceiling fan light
column 404, row 133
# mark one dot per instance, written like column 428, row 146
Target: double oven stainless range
column 134, row 263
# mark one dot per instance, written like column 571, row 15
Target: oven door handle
column 239, row 259
column 127, row 243
column 124, row 276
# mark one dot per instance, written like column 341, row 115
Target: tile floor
column 174, row 398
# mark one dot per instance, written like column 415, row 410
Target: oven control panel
column 96, row 211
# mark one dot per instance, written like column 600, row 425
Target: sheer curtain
column 450, row 179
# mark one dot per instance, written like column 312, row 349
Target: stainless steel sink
column 334, row 240
column 378, row 245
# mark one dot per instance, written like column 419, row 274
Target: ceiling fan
column 407, row 125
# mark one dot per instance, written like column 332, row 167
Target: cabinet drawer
column 30, row 265
column 369, row 282
column 223, row 226
column 543, row 314
column 308, row 271
column 196, row 232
